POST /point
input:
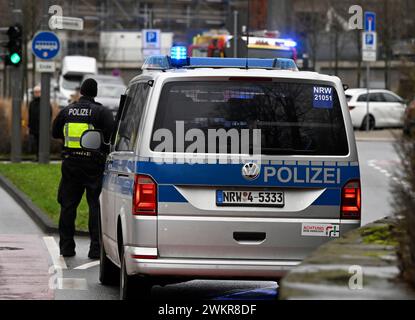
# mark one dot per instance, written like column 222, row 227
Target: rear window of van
column 294, row 118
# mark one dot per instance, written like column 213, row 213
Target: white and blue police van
column 225, row 168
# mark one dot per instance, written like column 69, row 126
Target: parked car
column 409, row 119
column 110, row 90
column 386, row 109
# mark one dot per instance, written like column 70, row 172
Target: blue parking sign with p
column 151, row 37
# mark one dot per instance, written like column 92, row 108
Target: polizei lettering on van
column 311, row 175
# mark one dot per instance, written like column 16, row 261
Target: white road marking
column 388, row 174
column 87, row 265
column 72, row 284
column 57, row 259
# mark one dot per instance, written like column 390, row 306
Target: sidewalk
column 24, row 268
column 24, row 261
column 384, row 135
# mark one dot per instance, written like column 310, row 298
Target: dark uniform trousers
column 78, row 176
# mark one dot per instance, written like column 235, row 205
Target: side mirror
column 91, row 140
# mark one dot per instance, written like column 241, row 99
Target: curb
column 327, row 273
column 34, row 212
column 376, row 140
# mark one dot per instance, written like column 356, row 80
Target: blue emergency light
column 178, row 59
column 178, row 56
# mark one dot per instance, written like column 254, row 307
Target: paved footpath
column 24, row 266
column 24, row 259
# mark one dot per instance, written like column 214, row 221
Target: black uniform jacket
column 85, row 111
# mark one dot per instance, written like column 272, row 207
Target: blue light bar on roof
column 156, row 63
column 251, row 63
column 180, row 60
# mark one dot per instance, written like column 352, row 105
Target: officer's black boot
column 94, row 251
column 67, row 248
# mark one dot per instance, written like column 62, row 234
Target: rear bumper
column 207, row 268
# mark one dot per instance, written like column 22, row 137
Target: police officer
column 81, row 170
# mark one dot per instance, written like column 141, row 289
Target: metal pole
column 44, row 126
column 368, row 96
column 235, row 34
column 17, row 91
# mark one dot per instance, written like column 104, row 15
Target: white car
column 386, row 109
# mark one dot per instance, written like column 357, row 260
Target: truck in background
column 73, row 70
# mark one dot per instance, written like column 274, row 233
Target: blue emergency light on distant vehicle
column 178, row 59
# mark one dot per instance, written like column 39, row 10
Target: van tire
column 109, row 274
column 133, row 287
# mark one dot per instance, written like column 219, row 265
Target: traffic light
column 15, row 51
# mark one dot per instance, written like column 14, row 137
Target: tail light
column 142, row 257
column 351, row 206
column 145, row 196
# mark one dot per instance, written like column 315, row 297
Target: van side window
column 131, row 117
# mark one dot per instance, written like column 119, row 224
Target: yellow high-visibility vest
column 73, row 133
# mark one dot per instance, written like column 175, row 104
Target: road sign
column 369, row 56
column 370, row 40
column 46, row 66
column 151, row 39
column 46, row 45
column 370, row 22
column 151, row 42
column 66, row 23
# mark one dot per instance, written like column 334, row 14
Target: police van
column 224, row 168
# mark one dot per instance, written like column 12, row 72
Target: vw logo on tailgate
column 251, row 171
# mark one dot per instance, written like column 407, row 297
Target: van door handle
column 250, row 237
column 120, row 175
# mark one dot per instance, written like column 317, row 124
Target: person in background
column 34, row 120
column 75, row 96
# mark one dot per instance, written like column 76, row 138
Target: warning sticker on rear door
column 320, row 230
column 323, row 97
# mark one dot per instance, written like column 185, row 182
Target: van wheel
column 372, row 123
column 133, row 287
column 109, row 274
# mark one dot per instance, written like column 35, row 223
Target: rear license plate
column 250, row 198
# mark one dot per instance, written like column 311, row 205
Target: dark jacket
column 85, row 111
column 34, row 116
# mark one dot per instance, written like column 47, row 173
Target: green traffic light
column 15, row 58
